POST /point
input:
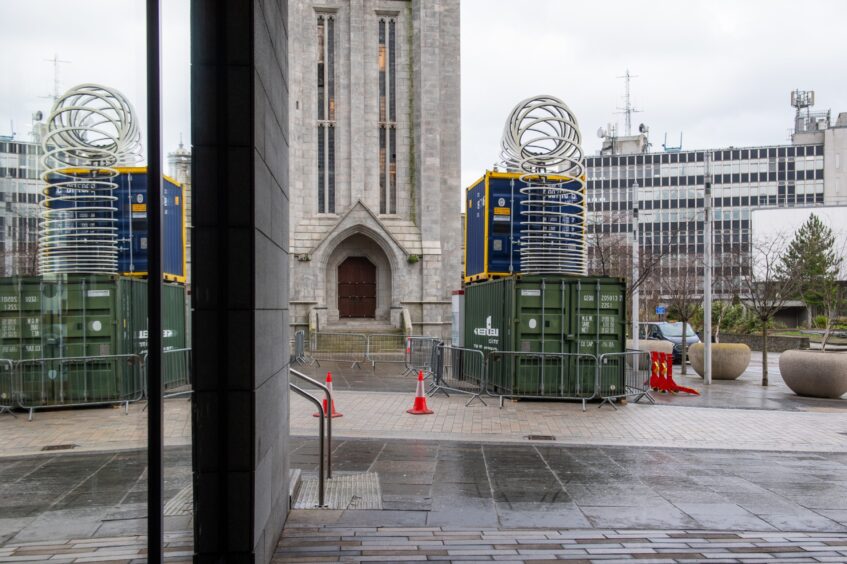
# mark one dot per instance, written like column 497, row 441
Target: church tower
column 374, row 170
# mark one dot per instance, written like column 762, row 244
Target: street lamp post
column 635, row 274
column 707, row 275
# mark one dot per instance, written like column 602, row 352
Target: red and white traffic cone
column 329, row 385
column 419, row 407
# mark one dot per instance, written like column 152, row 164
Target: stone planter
column 649, row 345
column 729, row 360
column 816, row 374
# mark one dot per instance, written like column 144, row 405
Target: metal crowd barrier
column 339, row 347
column 176, row 372
column 458, row 369
column 97, row 380
column 419, row 354
column 537, row 375
column 7, row 387
column 299, row 353
column 621, row 375
column 386, row 347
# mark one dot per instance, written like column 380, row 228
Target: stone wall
column 775, row 344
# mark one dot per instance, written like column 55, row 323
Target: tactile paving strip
column 354, row 490
column 182, row 503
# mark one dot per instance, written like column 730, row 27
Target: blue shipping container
column 132, row 225
column 494, row 224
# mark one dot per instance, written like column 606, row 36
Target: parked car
column 672, row 332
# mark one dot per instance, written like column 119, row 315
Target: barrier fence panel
column 459, row 370
column 299, row 352
column 419, row 354
column 386, row 347
column 7, row 386
column 621, row 375
column 539, row 375
column 176, row 372
column 339, row 347
column 78, row 381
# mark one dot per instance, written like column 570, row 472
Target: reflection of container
column 84, row 316
column 131, row 220
column 551, row 314
column 132, row 225
column 494, row 224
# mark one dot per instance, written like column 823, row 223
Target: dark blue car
column 672, row 332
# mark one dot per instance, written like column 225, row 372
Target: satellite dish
column 643, row 128
column 601, row 132
column 37, row 116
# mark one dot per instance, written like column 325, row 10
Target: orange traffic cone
column 329, row 385
column 419, row 407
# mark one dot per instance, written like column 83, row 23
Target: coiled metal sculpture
column 91, row 130
column 541, row 140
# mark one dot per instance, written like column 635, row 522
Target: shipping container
column 65, row 317
column 132, row 225
column 545, row 314
column 494, row 223
column 131, row 222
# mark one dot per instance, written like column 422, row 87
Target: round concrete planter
column 729, row 360
column 816, row 374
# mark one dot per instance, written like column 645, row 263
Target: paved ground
column 124, row 549
column 441, row 483
column 448, row 544
column 746, row 458
column 84, row 495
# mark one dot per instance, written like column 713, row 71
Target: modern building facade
column 20, row 194
column 670, row 190
column 374, row 163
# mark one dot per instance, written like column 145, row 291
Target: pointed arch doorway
column 356, row 288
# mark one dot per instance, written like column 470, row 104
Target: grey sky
column 104, row 40
column 719, row 71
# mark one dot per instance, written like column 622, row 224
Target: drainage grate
column 360, row 490
column 541, row 437
column 58, row 447
column 182, row 503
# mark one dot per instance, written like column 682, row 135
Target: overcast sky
column 720, row 72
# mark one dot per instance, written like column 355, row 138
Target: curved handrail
column 300, row 391
column 328, row 395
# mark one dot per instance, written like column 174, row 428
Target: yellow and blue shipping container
column 132, row 225
column 494, row 224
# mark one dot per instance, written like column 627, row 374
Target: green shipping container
column 66, row 317
column 581, row 316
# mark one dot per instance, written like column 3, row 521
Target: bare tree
column 765, row 289
column 610, row 254
column 682, row 288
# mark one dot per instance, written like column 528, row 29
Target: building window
column 386, row 61
column 326, row 114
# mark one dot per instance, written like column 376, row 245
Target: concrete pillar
column 240, row 286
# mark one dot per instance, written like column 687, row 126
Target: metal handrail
column 328, row 395
column 316, row 401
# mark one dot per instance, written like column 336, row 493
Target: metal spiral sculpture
column 541, row 140
column 91, row 130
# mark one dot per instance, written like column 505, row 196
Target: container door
column 357, row 288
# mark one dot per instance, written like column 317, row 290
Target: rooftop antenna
column 56, row 62
column 628, row 109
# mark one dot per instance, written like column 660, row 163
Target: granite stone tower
column 375, row 163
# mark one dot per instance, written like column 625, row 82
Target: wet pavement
column 82, row 495
column 518, row 486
